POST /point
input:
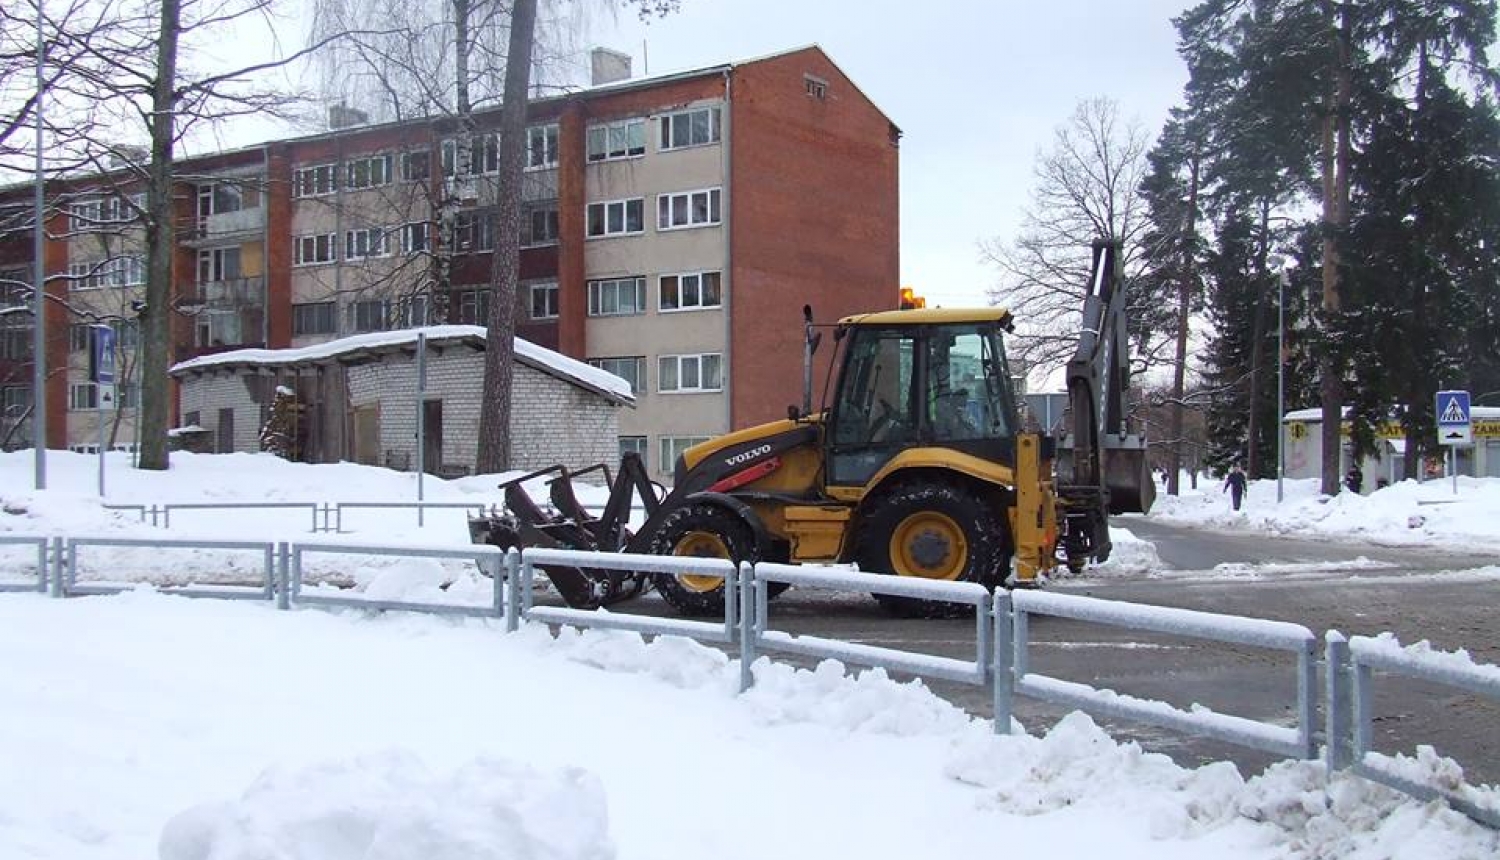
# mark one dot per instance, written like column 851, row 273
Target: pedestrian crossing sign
column 1454, row 427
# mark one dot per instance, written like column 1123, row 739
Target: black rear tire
column 940, row 529
column 704, row 530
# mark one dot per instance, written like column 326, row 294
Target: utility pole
column 39, row 283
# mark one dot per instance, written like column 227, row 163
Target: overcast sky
column 978, row 88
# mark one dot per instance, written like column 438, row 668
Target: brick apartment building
column 673, row 228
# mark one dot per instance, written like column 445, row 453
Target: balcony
column 233, row 293
column 224, row 227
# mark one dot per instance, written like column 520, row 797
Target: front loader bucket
column 1127, row 474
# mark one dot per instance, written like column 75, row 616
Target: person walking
column 1234, row 482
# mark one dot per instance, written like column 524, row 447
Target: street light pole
column 1281, row 278
column 39, row 284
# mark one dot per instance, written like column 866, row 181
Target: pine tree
column 279, row 435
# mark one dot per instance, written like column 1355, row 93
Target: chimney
column 342, row 116
column 607, row 66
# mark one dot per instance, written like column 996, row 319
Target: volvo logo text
column 747, row 456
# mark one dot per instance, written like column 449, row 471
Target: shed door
column 367, row 435
column 432, row 430
column 224, row 441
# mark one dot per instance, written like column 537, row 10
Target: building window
column 632, row 370
column 313, row 318
column 474, row 231
column 473, row 307
column 687, row 209
column 690, row 128
column 127, row 334
column 218, row 264
column 686, row 373
column 367, row 242
column 15, row 343
column 104, row 212
column 815, row 87
column 690, row 291
column 634, row 445
column 114, row 272
column 221, row 197
column 617, row 297
column 78, row 337
column 83, row 395
column 370, row 172
column 624, row 138
column 315, row 181
column 416, row 166
column 617, row 217
column 484, row 155
column 541, row 147
column 539, row 225
column 315, row 249
column 14, row 401
column 413, row 311
column 129, row 395
column 544, row 301
column 370, row 315
column 673, row 446
column 414, row 237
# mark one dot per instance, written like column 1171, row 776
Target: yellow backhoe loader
column 916, row 466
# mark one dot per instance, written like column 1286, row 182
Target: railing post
column 1307, row 699
column 528, row 575
column 746, row 596
column 512, row 593
column 1003, row 663
column 59, row 568
column 1338, row 704
column 166, row 516
column 1020, row 633
column 283, row 576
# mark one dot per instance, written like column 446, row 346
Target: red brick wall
column 278, row 246
column 815, row 220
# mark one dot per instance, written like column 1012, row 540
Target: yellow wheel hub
column 701, row 545
column 930, row 545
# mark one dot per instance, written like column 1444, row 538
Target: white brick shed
column 356, row 399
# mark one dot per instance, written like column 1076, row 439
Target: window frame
column 667, row 209
column 373, row 164
column 682, row 361
column 543, row 139
column 638, row 385
column 604, row 209
column 409, row 158
column 372, row 236
column 304, row 312
column 671, row 447
column 300, row 244
column 668, row 122
column 551, row 306
column 82, row 395
column 606, row 151
column 409, row 233
column 681, row 278
column 598, row 287
column 311, row 177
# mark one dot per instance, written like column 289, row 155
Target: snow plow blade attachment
column 570, row 526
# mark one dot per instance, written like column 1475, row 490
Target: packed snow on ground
column 1408, row 513
column 148, row 725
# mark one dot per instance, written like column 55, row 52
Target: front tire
column 940, row 530
column 705, row 531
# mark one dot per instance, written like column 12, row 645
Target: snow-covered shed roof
column 358, row 347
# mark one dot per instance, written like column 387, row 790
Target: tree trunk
column 1335, row 167
column 1184, row 308
column 494, row 421
column 156, row 319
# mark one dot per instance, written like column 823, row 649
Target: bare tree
column 1087, row 188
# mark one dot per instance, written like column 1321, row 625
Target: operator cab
column 919, row 379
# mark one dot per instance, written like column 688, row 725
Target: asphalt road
column 1415, row 593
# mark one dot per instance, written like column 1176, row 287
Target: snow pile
column 388, row 806
column 1129, row 557
column 1405, row 513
